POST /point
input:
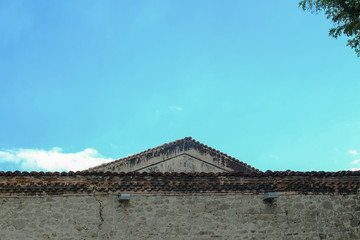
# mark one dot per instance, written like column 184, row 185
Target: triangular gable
column 184, row 155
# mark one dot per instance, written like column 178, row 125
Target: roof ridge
column 186, row 139
column 137, row 154
column 267, row 173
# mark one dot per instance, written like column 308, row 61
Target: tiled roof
column 86, row 182
column 268, row 173
column 186, row 143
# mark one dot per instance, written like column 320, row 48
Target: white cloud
column 356, row 161
column 176, row 108
column 8, row 157
column 354, row 169
column 353, row 152
column 54, row 159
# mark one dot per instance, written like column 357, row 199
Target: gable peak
column 172, row 149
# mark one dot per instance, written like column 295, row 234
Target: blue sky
column 86, row 82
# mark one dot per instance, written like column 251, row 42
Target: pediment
column 184, row 155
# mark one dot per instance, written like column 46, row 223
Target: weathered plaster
column 185, row 155
column 186, row 216
column 183, row 163
column 177, row 160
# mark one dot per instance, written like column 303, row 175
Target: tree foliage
column 345, row 15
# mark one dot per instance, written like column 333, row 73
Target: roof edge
column 166, row 145
column 194, row 174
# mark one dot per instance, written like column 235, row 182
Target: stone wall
column 181, row 216
column 183, row 163
column 184, row 155
column 177, row 160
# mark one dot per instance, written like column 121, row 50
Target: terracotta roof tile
column 203, row 174
column 203, row 147
column 85, row 182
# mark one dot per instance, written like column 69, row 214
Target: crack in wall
column 101, row 207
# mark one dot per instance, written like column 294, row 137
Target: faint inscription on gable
column 183, row 163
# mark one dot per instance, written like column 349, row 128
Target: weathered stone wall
column 184, row 163
column 177, row 160
column 185, row 155
column 186, row 216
